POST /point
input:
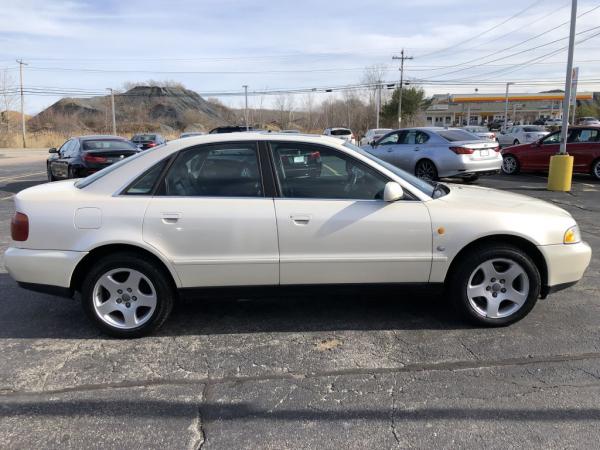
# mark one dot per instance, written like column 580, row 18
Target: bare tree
column 8, row 90
column 372, row 76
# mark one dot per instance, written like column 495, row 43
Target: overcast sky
column 288, row 44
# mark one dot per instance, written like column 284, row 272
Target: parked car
column 146, row 141
column 83, row 155
column 190, row 134
column 341, row 133
column 435, row 152
column 498, row 125
column 521, row 134
column 221, row 211
column 589, row 121
column 374, row 134
column 540, row 121
column 553, row 122
column 583, row 143
column 230, row 129
column 481, row 132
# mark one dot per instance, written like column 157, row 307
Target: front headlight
column 572, row 235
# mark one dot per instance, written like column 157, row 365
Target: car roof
column 90, row 137
column 259, row 136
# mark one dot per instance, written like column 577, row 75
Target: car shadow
column 20, row 185
column 30, row 315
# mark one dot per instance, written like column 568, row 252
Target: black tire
column 456, row 286
column 426, row 170
column 162, row 283
column 596, row 169
column 516, row 142
column 510, row 164
column 471, row 179
column 51, row 177
column 71, row 173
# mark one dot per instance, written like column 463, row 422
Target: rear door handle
column 300, row 219
column 168, row 217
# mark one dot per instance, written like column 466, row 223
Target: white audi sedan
column 258, row 211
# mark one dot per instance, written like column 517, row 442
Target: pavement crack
column 198, row 437
column 463, row 345
column 393, row 413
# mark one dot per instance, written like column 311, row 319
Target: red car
column 583, row 143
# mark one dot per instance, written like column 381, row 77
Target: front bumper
column 566, row 263
column 42, row 267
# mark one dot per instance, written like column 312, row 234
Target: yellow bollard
column 560, row 173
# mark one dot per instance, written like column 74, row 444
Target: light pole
column 112, row 104
column 561, row 165
column 21, row 64
column 245, row 86
column 506, row 107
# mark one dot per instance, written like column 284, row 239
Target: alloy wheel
column 509, row 164
column 596, row 170
column 124, row 298
column 498, row 288
column 426, row 170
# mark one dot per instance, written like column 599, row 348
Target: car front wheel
column 510, row 165
column 126, row 296
column 596, row 169
column 495, row 286
column 516, row 142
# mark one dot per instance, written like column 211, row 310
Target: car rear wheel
column 510, row 165
column 516, row 142
column 495, row 286
column 596, row 169
column 126, row 296
column 426, row 170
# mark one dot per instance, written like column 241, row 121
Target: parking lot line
column 16, row 177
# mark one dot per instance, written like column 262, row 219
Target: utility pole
column 245, row 86
column 112, row 103
column 574, row 79
column 561, row 165
column 402, row 58
column 506, row 107
column 378, row 102
column 21, row 64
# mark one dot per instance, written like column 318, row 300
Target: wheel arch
column 103, row 250
column 517, row 241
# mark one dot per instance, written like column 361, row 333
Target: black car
column 230, row 129
column 84, row 155
column 148, row 140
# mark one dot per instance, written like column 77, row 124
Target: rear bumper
column 51, row 268
column 566, row 263
column 465, row 166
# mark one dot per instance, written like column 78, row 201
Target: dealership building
column 448, row 109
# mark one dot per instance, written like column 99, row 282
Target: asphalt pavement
column 392, row 370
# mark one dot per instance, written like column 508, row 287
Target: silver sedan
column 434, row 152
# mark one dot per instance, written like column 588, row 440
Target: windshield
column 340, row 132
column 97, row 175
column 108, row 144
column 422, row 185
column 457, row 135
column 144, row 137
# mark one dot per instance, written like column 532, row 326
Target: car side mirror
column 373, row 143
column 392, row 192
column 53, row 150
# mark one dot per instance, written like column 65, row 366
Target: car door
column 386, row 146
column 504, row 137
column 334, row 227
column 581, row 145
column 537, row 155
column 60, row 165
column 212, row 218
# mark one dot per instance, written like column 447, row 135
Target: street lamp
column 506, row 106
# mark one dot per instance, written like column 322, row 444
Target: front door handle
column 417, row 149
column 300, row 219
column 168, row 217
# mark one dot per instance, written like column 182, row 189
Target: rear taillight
column 19, row 227
column 497, row 148
column 462, row 150
column 493, row 136
column 314, row 155
column 87, row 157
column 151, row 144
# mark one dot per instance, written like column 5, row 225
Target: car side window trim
column 160, row 188
column 408, row 195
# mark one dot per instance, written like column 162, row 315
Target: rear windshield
column 477, row 130
column 531, row 129
column 340, row 132
column 456, row 135
column 108, row 144
column 144, row 137
column 97, row 175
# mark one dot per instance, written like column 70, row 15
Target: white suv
column 341, row 133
